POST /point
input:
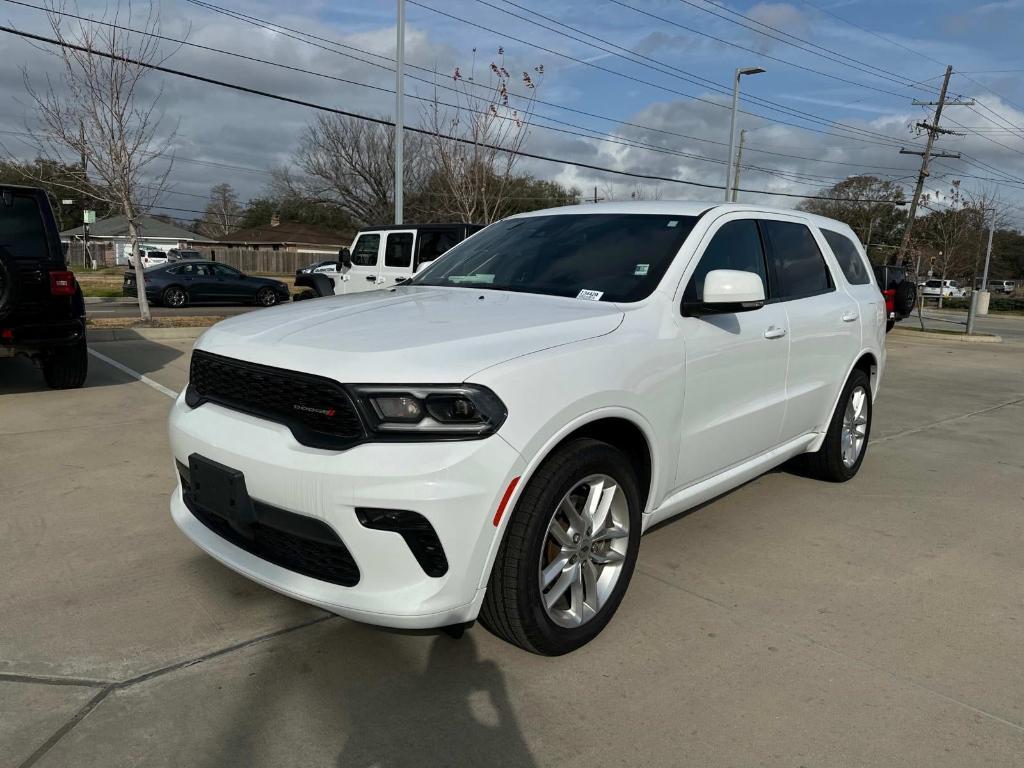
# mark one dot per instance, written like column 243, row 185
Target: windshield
column 22, row 231
column 601, row 257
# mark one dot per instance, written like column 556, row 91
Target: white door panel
column 735, row 389
column 822, row 345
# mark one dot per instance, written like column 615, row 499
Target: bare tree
column 473, row 174
column 949, row 227
column 222, row 214
column 104, row 113
column 350, row 163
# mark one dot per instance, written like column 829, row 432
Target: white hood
column 413, row 335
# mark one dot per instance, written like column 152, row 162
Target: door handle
column 774, row 333
column 849, row 317
column 401, row 279
column 371, row 279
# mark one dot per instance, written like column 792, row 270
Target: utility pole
column 977, row 292
column 739, row 159
column 399, row 110
column 933, row 130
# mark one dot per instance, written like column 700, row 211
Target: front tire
column 174, row 297
column 846, row 441
column 66, row 367
column 265, row 297
column 569, row 551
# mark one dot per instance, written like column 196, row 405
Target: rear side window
column 737, row 245
column 22, row 231
column 398, row 252
column 433, row 244
column 797, row 266
column 848, row 256
column 365, row 252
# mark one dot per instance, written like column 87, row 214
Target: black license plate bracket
column 220, row 490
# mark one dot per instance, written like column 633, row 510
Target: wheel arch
column 166, row 288
column 623, row 428
column 866, row 361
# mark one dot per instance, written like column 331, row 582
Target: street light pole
column 399, row 110
column 732, row 125
column 976, row 294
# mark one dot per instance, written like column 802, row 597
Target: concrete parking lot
column 788, row 623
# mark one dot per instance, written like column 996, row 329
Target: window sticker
column 590, row 295
column 641, row 269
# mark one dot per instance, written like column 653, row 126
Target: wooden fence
column 102, row 253
column 261, row 262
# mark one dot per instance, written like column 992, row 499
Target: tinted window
column 433, row 244
column 797, row 265
column 737, row 245
column 222, row 271
column 613, row 257
column 365, row 252
column 191, row 270
column 933, row 284
column 848, row 256
column 398, row 251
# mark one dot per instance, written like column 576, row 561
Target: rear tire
column 905, row 299
column 66, row 367
column 595, row 557
column 846, row 441
column 889, row 325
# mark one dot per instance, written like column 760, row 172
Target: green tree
column 868, row 205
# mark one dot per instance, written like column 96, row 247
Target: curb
column 959, row 338
column 111, row 300
column 144, row 334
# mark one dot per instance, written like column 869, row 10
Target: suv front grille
column 318, row 411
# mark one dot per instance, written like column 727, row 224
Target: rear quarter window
column 22, row 231
column 848, row 256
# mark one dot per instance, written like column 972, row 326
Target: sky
column 635, row 85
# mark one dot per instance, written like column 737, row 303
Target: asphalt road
column 1010, row 327
column 788, row 623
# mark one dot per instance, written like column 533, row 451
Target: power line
column 277, row 29
column 886, row 74
column 389, row 123
column 624, row 141
column 799, row 114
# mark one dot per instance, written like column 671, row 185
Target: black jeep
column 42, row 312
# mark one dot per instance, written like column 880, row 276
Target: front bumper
column 455, row 486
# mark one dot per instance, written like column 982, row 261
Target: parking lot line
column 134, row 374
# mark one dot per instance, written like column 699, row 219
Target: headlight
column 434, row 411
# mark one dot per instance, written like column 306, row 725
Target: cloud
column 781, row 16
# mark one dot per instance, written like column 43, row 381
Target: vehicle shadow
column 21, row 375
column 385, row 704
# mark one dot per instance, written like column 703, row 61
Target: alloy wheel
column 855, row 425
column 584, row 550
column 175, row 297
column 266, row 297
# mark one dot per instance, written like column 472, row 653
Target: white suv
column 490, row 439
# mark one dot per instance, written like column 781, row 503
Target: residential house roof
column 117, row 226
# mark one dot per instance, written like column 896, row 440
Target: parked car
column 523, row 408
column 181, row 254
column 382, row 257
column 42, row 312
column 152, row 258
column 205, row 282
column 899, row 291
column 948, row 289
column 1002, row 286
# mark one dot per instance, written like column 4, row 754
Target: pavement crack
column 106, row 688
column 7, row 677
column 940, row 422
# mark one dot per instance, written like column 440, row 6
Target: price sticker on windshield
column 590, row 295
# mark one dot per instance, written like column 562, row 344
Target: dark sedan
column 206, row 282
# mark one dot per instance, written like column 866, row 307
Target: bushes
column 996, row 304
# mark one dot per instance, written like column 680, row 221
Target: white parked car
column 490, row 439
column 1002, row 286
column 153, row 258
column 950, row 289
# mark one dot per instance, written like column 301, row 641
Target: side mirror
column 727, row 291
column 344, row 259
